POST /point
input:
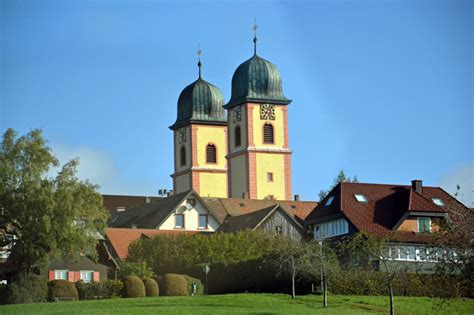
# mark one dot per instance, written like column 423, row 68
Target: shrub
column 173, row 285
column 151, row 287
column 62, row 289
column 112, row 288
column 28, row 289
column 133, row 287
column 90, row 291
column 199, row 287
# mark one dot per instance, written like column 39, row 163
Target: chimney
column 147, row 199
column 245, row 195
column 297, row 197
column 417, row 185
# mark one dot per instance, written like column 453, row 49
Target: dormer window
column 120, row 209
column 203, row 221
column 329, row 201
column 424, row 225
column 179, row 221
column 361, row 198
column 438, row 202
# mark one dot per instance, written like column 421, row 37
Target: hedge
column 28, row 289
column 112, row 288
column 62, row 290
column 133, row 287
column 151, row 287
column 173, row 285
column 199, row 287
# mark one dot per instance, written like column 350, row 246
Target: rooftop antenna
column 255, row 27
column 199, row 53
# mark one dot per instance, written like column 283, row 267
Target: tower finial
column 199, row 53
column 255, row 36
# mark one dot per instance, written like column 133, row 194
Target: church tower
column 200, row 140
column 259, row 158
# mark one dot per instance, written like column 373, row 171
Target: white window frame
column 84, row 272
column 331, row 229
column 176, row 226
column 60, row 272
column 438, row 202
column 394, row 253
column 199, row 221
column 361, row 198
column 418, row 224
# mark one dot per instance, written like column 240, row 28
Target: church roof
column 200, row 102
column 257, row 80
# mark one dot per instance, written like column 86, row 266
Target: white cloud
column 464, row 177
column 100, row 168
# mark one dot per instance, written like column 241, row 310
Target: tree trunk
column 293, row 295
column 390, row 292
column 325, row 292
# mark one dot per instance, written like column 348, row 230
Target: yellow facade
column 278, row 128
column 213, row 185
column 177, row 148
column 275, row 164
column 216, row 135
column 243, row 127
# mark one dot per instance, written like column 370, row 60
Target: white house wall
column 191, row 219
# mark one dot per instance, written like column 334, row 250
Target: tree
column 47, row 216
column 302, row 259
column 456, row 243
column 139, row 269
column 340, row 178
column 365, row 250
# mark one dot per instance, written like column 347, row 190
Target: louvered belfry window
column 268, row 133
column 211, row 156
column 237, row 136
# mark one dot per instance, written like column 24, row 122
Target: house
column 188, row 212
column 118, row 203
column 409, row 216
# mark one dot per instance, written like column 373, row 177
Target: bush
column 28, row 289
column 90, row 291
column 62, row 289
column 133, row 287
column 199, row 287
column 139, row 269
column 174, row 285
column 151, row 287
column 112, row 288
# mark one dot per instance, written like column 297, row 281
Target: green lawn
column 247, row 304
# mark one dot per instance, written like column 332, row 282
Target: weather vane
column 255, row 27
column 199, row 53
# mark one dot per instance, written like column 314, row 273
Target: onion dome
column 200, row 102
column 257, row 80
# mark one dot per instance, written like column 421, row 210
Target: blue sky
column 381, row 89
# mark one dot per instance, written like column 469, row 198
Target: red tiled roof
column 386, row 205
column 121, row 238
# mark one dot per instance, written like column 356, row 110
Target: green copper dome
column 257, row 80
column 200, row 102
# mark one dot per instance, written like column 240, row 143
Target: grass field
column 247, row 304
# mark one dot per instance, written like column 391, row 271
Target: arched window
column 211, row 155
column 182, row 156
column 268, row 133
column 237, row 137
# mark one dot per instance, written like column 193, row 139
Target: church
column 236, row 149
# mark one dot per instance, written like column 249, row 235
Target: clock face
column 237, row 114
column 267, row 112
column 182, row 135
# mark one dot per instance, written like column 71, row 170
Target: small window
column 60, row 274
column 424, row 225
column 182, row 156
column 438, row 202
column 211, row 156
column 237, row 137
column 203, row 218
column 178, row 221
column 329, row 201
column 279, row 229
column 268, row 134
column 134, row 226
column 361, row 198
column 269, row 177
column 87, row 276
